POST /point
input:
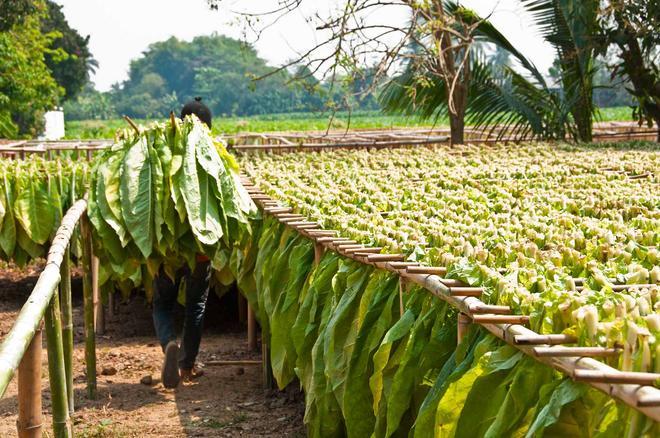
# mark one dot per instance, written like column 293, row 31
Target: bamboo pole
column 318, row 253
column 430, row 270
column 16, row 342
column 560, row 351
column 99, row 314
column 241, row 307
column 552, row 339
column 67, row 326
column 56, row 370
column 29, row 423
column 88, row 306
column 630, row 377
column 462, row 326
column 251, row 328
column 465, row 291
column 267, row 366
column 500, row 319
column 111, row 304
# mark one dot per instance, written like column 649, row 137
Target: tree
column 443, row 41
column 570, row 26
column 27, row 89
column 632, row 26
column 14, row 12
column 69, row 59
column 218, row 68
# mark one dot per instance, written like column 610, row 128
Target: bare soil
column 228, row 401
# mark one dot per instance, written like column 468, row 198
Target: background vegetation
column 306, row 121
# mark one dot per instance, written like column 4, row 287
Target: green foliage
column 27, row 89
column 69, row 59
column 34, row 196
column 632, row 27
column 162, row 196
column 92, row 104
column 228, row 74
column 306, row 121
column 367, row 370
column 522, row 103
column 14, row 12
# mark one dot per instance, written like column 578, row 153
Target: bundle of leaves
column 161, row 196
column 34, row 195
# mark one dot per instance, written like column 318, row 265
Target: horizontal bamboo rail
column 575, row 362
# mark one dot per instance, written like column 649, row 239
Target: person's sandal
column 191, row 374
column 170, row 371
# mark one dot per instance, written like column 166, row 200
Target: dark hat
column 197, row 108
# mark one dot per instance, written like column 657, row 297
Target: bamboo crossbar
column 554, row 339
column 29, row 319
column 364, row 250
column 431, row 270
column 560, row 351
column 500, row 319
column 644, row 398
column 617, row 377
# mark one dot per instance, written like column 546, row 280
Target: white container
column 54, row 129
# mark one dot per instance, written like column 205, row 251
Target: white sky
column 120, row 30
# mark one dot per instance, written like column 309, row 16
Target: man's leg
column 197, row 291
column 165, row 293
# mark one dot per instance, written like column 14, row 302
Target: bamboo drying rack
column 21, row 348
column 580, row 363
column 343, row 139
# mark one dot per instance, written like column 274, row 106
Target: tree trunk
column 452, row 76
column 457, row 128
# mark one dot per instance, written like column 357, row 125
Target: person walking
column 179, row 363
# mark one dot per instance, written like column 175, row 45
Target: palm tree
column 522, row 104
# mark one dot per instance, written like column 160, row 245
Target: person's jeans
column 165, row 298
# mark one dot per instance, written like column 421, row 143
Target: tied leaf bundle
column 162, row 196
column 34, row 195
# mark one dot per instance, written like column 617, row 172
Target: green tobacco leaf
column 8, row 229
column 523, row 390
column 199, row 199
column 379, row 300
column 566, row 392
column 26, row 243
column 487, row 394
column 33, row 210
column 137, row 199
column 109, row 205
column 341, row 331
column 451, row 371
column 283, row 352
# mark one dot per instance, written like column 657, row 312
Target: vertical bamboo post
column 29, row 391
column 67, row 325
column 88, row 305
column 266, row 367
column 251, row 328
column 318, row 253
column 56, row 370
column 111, row 304
column 99, row 315
column 242, row 307
column 463, row 324
column 401, row 287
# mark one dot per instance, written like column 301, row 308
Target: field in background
column 295, row 122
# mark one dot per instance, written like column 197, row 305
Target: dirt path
column 226, row 402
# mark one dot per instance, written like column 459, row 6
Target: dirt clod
column 109, row 371
column 147, row 380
